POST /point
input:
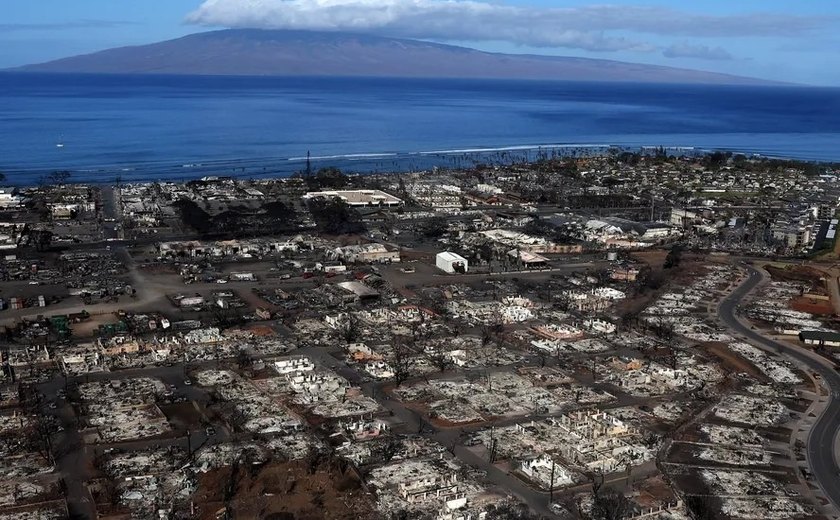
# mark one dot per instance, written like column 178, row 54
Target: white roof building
column 358, row 198
column 451, row 262
column 9, row 198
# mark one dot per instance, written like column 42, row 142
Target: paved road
column 820, row 445
column 413, row 422
column 452, row 438
column 110, row 212
column 75, row 462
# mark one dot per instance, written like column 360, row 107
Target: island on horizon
column 259, row 52
column 326, row 263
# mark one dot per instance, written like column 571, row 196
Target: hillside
column 302, row 53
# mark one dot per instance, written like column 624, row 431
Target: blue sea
column 175, row 127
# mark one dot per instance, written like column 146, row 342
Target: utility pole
column 308, row 164
column 492, row 457
column 652, row 207
column 551, row 484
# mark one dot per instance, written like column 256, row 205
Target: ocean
column 174, row 127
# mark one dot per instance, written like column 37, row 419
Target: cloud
column 593, row 28
column 77, row 24
column 700, row 52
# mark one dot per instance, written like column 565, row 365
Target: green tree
column 351, row 329
column 673, row 258
column 193, row 216
column 510, row 511
column 440, row 359
column 59, row 177
column 277, row 210
column 716, row 160
column 401, row 362
column 608, row 504
column 327, row 178
column 539, row 227
column 435, row 227
column 699, row 507
column 227, row 222
column 41, row 239
column 334, row 216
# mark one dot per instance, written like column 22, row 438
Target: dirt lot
column 253, row 491
column 812, row 305
column 689, row 269
column 654, row 259
column 182, row 416
column 812, row 278
column 88, row 328
column 653, row 491
column 734, row 362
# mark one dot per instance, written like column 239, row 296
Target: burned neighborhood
column 633, row 335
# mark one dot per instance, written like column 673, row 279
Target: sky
column 792, row 41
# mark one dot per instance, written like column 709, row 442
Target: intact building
column 9, row 198
column 358, row 198
column 793, row 236
column 820, row 338
column 366, row 253
column 451, row 263
column 683, row 218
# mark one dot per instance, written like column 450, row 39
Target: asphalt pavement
column 75, row 462
column 820, row 444
column 111, row 212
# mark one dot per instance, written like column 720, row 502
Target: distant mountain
column 253, row 52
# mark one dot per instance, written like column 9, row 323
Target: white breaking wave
column 515, row 148
column 344, row 156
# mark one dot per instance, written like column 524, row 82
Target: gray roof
column 819, row 335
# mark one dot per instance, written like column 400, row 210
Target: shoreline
column 358, row 163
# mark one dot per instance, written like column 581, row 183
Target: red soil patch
column 287, row 490
column 811, row 305
column 734, row 362
column 801, row 274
